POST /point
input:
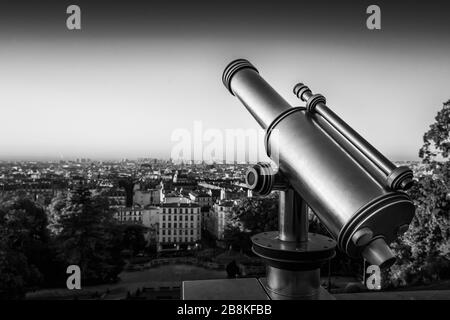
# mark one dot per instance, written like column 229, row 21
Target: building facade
column 179, row 225
column 172, row 226
column 203, row 199
column 148, row 197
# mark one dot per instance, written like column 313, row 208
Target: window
column 175, row 218
column 169, row 225
column 169, row 218
column 169, row 232
column 163, row 239
column 164, row 232
column 164, row 225
column 180, row 225
column 192, row 218
column 164, row 218
column 192, row 232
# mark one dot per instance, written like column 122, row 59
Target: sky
column 138, row 71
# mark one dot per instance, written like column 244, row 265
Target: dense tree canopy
column 89, row 238
column 251, row 216
column 436, row 140
column 424, row 250
column 23, row 246
column 133, row 238
column 258, row 214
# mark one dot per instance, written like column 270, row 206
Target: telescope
column 322, row 164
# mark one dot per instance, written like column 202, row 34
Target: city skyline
column 133, row 75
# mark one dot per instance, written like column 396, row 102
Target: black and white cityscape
column 216, row 151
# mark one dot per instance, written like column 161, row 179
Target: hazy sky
column 138, row 71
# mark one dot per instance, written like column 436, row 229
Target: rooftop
column 183, row 205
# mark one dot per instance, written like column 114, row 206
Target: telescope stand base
column 322, row 293
column 234, row 289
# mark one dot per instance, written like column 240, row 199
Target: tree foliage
column 258, row 214
column 23, row 246
column 89, row 238
column 251, row 216
column 424, row 250
column 436, row 140
column 133, row 238
column 37, row 245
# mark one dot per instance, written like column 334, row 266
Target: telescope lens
column 251, row 178
column 378, row 253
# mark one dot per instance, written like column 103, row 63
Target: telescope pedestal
column 234, row 289
column 293, row 268
column 322, row 293
column 293, row 256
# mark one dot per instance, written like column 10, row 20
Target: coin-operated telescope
column 325, row 165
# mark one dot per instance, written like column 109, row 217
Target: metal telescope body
column 354, row 190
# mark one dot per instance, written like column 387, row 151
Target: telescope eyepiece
column 260, row 178
column 300, row 89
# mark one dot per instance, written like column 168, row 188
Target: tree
column 424, row 250
column 133, row 238
column 436, row 140
column 23, row 247
column 251, row 216
column 237, row 238
column 55, row 208
column 258, row 214
column 436, row 148
column 89, row 237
